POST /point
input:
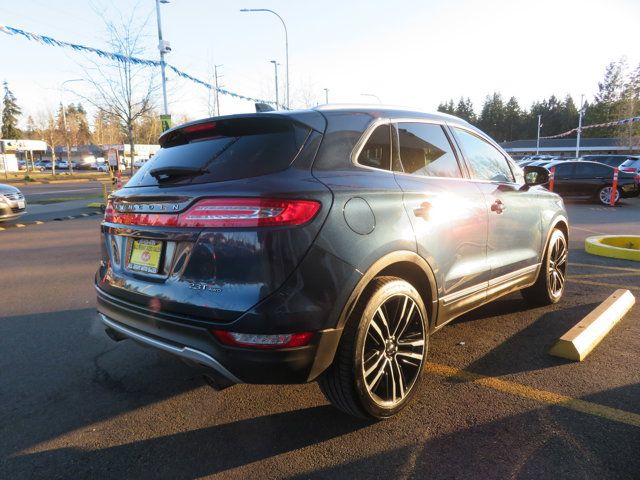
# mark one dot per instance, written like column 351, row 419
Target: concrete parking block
column 581, row 339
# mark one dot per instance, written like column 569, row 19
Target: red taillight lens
column 628, row 170
column 224, row 213
column 251, row 340
column 248, row 212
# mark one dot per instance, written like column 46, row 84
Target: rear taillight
column 628, row 170
column 252, row 340
column 224, row 213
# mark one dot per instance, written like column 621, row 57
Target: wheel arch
column 406, row 265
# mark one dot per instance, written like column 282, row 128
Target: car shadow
column 195, row 453
column 527, row 350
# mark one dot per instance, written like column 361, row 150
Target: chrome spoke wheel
column 605, row 195
column 557, row 266
column 394, row 349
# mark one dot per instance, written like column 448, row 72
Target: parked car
column 326, row 244
column 611, row 160
column 631, row 165
column 12, row 203
column 591, row 180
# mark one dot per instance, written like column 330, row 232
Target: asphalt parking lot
column 494, row 404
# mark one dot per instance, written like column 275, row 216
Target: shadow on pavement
column 195, row 453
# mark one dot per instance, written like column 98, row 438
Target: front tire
column 549, row 286
column 382, row 351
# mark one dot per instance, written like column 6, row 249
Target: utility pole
column 64, row 124
column 326, row 95
column 164, row 47
column 275, row 65
column 215, row 70
column 538, row 140
column 580, row 113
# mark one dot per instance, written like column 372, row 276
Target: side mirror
column 535, row 175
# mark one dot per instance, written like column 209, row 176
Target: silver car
column 12, row 203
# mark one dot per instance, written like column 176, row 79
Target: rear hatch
column 218, row 219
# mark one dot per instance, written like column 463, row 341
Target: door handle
column 423, row 210
column 498, row 207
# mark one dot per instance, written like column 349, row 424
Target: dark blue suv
column 325, row 244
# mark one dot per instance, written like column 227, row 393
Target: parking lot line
column 622, row 269
column 542, row 396
column 603, row 284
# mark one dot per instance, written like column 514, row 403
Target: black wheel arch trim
column 381, row 264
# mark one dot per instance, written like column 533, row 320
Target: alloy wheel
column 605, row 195
column 557, row 268
column 394, row 350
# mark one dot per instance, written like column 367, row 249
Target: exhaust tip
column 114, row 335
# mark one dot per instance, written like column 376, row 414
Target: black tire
column 549, row 286
column 604, row 195
column 395, row 366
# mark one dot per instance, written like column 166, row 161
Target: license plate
column 145, row 256
column 20, row 203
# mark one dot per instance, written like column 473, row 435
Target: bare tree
column 123, row 89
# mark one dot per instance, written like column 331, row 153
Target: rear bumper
column 196, row 344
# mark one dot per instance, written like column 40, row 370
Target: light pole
column 286, row 42
column 326, row 95
column 538, row 140
column 164, row 47
column 580, row 113
column 372, row 95
column 64, row 124
column 275, row 65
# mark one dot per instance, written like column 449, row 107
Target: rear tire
column 549, row 286
column 604, row 195
column 382, row 351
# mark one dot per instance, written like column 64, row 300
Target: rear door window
column 224, row 150
column 563, row 170
column 592, row 170
column 425, row 150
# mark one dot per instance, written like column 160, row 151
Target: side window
column 425, row 150
column 485, row 161
column 377, row 151
column 564, row 170
column 591, row 170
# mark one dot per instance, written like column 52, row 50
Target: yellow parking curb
column 626, row 247
column 580, row 340
column 94, row 205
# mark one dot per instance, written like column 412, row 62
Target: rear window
column 630, row 163
column 224, row 150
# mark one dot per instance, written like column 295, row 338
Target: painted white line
column 581, row 339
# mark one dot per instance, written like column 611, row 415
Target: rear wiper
column 165, row 173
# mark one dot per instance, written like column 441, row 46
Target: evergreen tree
column 10, row 113
column 512, row 119
column 465, row 111
column 492, row 117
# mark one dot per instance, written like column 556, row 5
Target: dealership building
column 566, row 147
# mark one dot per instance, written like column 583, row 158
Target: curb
column 40, row 222
column 612, row 246
column 583, row 337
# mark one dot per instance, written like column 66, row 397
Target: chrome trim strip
column 513, row 275
column 453, row 297
column 187, row 353
column 523, row 272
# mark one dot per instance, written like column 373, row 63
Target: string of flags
column 599, row 125
column 45, row 40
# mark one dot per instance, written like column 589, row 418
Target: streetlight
column 372, row 95
column 326, row 95
column 275, row 65
column 286, row 41
column 164, row 47
column 64, row 124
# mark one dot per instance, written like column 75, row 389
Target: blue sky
column 413, row 53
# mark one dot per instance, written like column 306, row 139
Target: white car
column 12, row 203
